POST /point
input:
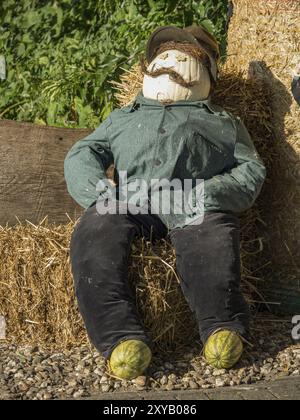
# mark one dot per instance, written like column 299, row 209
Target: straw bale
column 37, row 294
column 264, row 43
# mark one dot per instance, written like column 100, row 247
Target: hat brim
column 166, row 34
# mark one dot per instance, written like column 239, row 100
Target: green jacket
column 184, row 140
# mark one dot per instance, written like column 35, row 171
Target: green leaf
column 208, row 24
column 21, row 49
column 52, row 113
column 40, row 121
column 44, row 61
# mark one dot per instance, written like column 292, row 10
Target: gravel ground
column 36, row 373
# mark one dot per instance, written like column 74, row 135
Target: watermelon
column 223, row 349
column 130, row 359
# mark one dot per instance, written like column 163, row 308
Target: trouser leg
column 208, row 262
column 100, row 248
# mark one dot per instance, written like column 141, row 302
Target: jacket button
column 157, row 162
column 162, row 130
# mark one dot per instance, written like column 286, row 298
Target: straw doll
column 184, row 169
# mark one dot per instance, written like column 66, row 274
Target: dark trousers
column 207, row 261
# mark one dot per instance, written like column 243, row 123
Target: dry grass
column 36, row 289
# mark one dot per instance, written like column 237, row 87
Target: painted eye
column 154, row 67
column 181, row 57
column 163, row 56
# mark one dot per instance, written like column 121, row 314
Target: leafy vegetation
column 61, row 55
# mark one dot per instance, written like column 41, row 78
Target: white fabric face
column 162, row 88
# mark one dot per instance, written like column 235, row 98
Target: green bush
column 61, row 55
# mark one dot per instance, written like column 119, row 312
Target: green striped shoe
column 130, row 359
column 223, row 349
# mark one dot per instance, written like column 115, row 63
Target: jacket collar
column 141, row 101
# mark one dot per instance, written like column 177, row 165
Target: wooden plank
column 32, row 183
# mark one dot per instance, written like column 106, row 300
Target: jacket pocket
column 206, row 159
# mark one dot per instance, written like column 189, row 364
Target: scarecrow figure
column 170, row 131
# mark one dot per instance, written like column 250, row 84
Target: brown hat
column 195, row 35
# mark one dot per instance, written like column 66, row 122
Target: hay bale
column 264, row 42
column 36, row 289
column 37, row 294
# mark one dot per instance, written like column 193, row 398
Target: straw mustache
column 174, row 76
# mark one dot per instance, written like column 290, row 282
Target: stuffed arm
column 236, row 190
column 86, row 164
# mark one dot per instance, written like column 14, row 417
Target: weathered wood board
column 32, row 183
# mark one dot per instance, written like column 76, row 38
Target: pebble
column 78, row 394
column 219, row 372
column 103, row 379
column 172, row 378
column 47, row 396
column 208, row 371
column 169, row 387
column 193, row 385
column 164, row 380
column 72, row 382
column 247, row 380
column 220, row 382
column 19, row 375
column 22, row 386
column 158, row 374
column 140, row 381
column 206, row 386
column 169, row 366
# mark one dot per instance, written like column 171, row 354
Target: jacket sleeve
column 236, row 190
column 86, row 164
